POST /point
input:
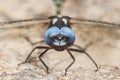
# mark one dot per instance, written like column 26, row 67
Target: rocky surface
column 29, row 72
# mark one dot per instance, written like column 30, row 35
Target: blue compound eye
column 54, row 20
column 65, row 21
column 51, row 32
column 66, row 31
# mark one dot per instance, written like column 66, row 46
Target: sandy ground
column 14, row 44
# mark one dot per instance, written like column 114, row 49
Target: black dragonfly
column 60, row 35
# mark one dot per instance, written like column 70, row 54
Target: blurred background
column 107, row 10
column 105, row 50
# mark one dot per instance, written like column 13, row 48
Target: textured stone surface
column 29, row 72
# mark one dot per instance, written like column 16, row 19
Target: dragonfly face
column 59, row 34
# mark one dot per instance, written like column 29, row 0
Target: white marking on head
column 54, row 20
column 65, row 20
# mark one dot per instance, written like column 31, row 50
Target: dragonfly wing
column 98, row 33
column 23, row 22
column 24, row 28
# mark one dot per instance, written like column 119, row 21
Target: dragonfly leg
column 83, row 51
column 38, row 47
column 43, row 61
column 71, row 62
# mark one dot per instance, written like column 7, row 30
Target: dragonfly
column 60, row 33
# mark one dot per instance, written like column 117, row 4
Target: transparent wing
column 98, row 28
column 28, row 28
column 104, row 37
column 22, row 22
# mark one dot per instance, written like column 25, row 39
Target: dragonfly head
column 59, row 34
column 59, row 42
